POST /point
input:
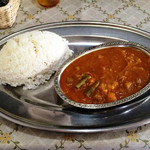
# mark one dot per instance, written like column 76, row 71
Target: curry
column 106, row 75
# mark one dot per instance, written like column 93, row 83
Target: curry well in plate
column 105, row 76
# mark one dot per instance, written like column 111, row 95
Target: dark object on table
column 3, row 2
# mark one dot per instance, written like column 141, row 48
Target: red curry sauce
column 106, row 75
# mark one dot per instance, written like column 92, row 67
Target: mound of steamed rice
column 31, row 58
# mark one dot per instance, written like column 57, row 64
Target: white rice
column 31, row 58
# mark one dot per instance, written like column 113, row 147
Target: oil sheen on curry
column 106, row 75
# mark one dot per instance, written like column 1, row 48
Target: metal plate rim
column 79, row 23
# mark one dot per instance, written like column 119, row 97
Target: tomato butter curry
column 106, row 75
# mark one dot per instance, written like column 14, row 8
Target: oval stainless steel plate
column 43, row 109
